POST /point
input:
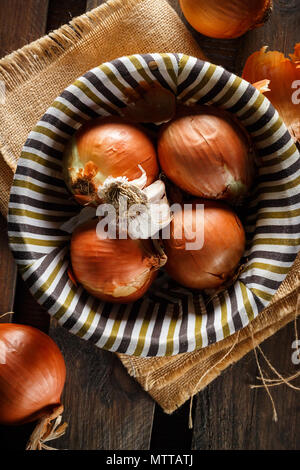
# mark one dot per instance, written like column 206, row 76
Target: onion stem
column 47, row 429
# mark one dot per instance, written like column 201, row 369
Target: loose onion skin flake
column 216, row 262
column 283, row 74
column 32, row 374
column 113, row 270
column 206, row 155
column 107, row 147
column 225, row 19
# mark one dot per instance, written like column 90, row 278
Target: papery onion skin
column 207, row 156
column 282, row 73
column 32, row 374
column 216, row 262
column 225, row 19
column 113, row 270
column 149, row 103
column 106, row 147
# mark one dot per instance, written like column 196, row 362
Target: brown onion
column 206, row 155
column 224, row 244
column 32, row 374
column 114, row 270
column 225, row 18
column 106, row 147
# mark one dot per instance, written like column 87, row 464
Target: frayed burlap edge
column 171, row 381
column 17, row 67
column 79, row 40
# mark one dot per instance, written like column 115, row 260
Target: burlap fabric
column 35, row 75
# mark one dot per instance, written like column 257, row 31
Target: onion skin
column 113, row 270
column 224, row 245
column 149, row 102
column 227, row 18
column 106, row 147
column 282, row 72
column 207, row 156
column 32, row 374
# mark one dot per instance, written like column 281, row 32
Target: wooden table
column 104, row 407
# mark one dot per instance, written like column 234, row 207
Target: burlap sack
column 36, row 74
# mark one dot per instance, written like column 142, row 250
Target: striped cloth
column 170, row 319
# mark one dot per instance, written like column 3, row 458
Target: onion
column 224, row 244
column 114, row 270
column 32, row 377
column 225, row 18
column 149, row 103
column 283, row 75
column 207, row 155
column 107, row 147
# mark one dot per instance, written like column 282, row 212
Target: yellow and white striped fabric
column 169, row 319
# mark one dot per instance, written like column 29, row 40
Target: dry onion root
column 32, row 377
column 47, row 429
column 283, row 75
column 225, row 18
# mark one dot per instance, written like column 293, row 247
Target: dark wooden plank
column 26, row 309
column 21, row 22
column 109, row 410
column 62, row 11
column 18, row 25
column 228, row 414
column 220, row 51
column 280, row 33
column 171, row 431
column 104, row 406
column 7, row 273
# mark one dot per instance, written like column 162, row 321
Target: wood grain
column 105, row 408
column 228, row 414
column 21, row 22
column 18, row 25
column 62, row 11
column 220, row 51
column 26, row 309
column 280, row 33
column 7, row 273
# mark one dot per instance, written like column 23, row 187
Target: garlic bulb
column 128, row 208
